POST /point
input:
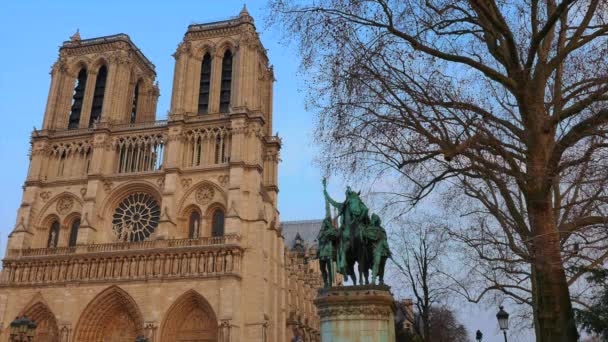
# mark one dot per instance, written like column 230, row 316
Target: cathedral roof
column 306, row 230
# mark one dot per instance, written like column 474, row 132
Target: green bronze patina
column 358, row 239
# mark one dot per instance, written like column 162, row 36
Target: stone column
column 356, row 314
column 117, row 85
column 216, row 82
column 193, row 77
column 87, row 101
column 64, row 101
column 38, row 157
column 57, row 73
column 179, row 75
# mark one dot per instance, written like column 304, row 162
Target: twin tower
column 169, row 229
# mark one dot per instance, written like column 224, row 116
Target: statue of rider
column 328, row 235
column 376, row 234
column 353, row 215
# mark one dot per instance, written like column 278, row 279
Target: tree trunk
column 553, row 315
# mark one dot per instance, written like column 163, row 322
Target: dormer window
column 298, row 243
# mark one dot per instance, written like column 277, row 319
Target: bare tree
column 502, row 102
column 418, row 252
column 445, row 327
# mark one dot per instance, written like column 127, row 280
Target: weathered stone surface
column 227, row 278
column 356, row 314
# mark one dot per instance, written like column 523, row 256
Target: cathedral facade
column 169, row 229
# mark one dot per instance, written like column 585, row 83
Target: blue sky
column 32, row 31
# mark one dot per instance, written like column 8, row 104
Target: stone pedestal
column 356, row 314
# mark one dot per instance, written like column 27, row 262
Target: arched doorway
column 189, row 319
column 47, row 329
column 112, row 316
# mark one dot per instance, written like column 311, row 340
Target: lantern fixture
column 503, row 321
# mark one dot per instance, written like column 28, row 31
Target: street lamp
column 478, row 336
column 22, row 329
column 503, row 321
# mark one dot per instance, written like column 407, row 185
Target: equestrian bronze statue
column 359, row 239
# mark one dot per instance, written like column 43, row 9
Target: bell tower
column 222, row 68
column 99, row 80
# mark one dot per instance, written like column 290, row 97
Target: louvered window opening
column 77, row 99
column 226, row 82
column 205, row 84
column 134, row 105
column 98, row 95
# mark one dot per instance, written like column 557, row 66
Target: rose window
column 136, row 217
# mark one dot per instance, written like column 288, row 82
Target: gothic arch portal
column 47, row 330
column 112, row 316
column 190, row 319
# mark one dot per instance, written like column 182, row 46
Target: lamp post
column 478, row 336
column 503, row 321
column 22, row 329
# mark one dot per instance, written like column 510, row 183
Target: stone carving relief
column 186, row 182
column 224, row 179
column 65, row 204
column 107, row 185
column 132, row 265
column 150, row 330
column 45, row 195
column 204, row 194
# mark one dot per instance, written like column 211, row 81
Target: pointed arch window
column 194, row 225
column 77, row 99
column 53, row 235
column 205, row 84
column 220, row 149
column 226, row 82
column 217, row 223
column 74, row 232
column 100, row 89
column 134, row 105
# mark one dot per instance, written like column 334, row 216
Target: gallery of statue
column 167, row 229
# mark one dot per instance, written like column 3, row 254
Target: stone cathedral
column 168, row 229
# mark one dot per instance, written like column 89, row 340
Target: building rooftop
column 76, row 42
column 307, row 230
column 242, row 18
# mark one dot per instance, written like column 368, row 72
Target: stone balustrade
column 160, row 259
column 228, row 239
